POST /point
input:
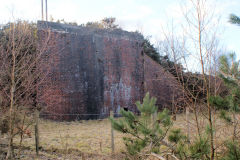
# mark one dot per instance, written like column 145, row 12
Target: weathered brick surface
column 123, row 74
column 101, row 70
column 161, row 84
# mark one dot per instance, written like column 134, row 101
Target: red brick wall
column 161, row 84
column 96, row 71
column 123, row 74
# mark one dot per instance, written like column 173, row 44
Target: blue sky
column 147, row 16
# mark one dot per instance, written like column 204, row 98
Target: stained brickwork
column 123, row 74
column 101, row 70
column 161, row 84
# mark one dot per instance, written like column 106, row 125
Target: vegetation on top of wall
column 105, row 23
column 193, row 82
column 164, row 61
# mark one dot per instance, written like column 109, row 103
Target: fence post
column 36, row 131
column 112, row 133
column 187, row 121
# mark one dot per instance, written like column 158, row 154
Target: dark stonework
column 99, row 70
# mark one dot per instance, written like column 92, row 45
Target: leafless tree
column 196, row 46
column 175, row 47
column 201, row 30
column 23, row 69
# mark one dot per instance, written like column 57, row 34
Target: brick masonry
column 100, row 70
column 161, row 84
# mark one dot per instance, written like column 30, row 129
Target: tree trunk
column 10, row 152
column 36, row 131
column 187, row 121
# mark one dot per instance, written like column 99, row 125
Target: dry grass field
column 72, row 140
column 92, row 139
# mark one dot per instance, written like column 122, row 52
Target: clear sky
column 147, row 16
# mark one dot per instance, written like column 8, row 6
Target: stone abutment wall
column 100, row 70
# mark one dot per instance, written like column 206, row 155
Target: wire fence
column 76, row 117
column 91, row 135
column 87, row 133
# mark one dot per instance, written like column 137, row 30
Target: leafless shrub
column 23, row 69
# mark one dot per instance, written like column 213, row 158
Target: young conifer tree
column 145, row 133
column 229, row 104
